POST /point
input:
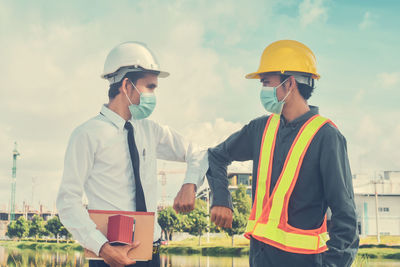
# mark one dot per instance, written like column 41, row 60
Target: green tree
column 241, row 200
column 54, row 226
column 241, row 211
column 64, row 232
column 18, row 228
column 37, row 227
column 169, row 221
column 197, row 221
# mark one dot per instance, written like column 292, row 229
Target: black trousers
column 155, row 262
column 263, row 255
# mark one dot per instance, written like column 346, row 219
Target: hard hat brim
column 161, row 74
column 253, row 75
column 256, row 75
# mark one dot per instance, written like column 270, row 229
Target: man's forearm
column 218, row 181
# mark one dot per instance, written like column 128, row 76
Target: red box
column 120, row 229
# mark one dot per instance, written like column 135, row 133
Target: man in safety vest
column 300, row 168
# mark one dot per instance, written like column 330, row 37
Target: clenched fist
column 185, row 199
column 222, row 216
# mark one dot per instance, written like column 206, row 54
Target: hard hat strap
column 302, row 78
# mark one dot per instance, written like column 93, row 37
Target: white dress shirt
column 97, row 162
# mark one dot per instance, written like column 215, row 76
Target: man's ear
column 292, row 82
column 124, row 86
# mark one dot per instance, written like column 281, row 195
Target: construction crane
column 13, row 182
column 163, row 174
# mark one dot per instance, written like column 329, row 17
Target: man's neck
column 295, row 110
column 118, row 107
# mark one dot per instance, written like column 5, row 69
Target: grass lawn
column 385, row 239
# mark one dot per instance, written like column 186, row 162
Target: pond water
column 27, row 257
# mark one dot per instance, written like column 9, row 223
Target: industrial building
column 26, row 212
column 377, row 200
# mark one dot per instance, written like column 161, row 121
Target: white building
column 386, row 184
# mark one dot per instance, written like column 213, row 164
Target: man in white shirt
column 99, row 160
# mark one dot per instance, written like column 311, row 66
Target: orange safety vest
column 268, row 221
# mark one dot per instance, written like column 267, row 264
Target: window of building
column 383, row 209
column 244, row 179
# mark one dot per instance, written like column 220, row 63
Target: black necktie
column 140, row 202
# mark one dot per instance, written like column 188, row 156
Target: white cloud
column 359, row 96
column 389, row 79
column 208, row 134
column 194, row 76
column 312, row 11
column 375, row 142
column 367, row 21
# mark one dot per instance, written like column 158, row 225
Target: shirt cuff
column 95, row 241
column 193, row 180
column 223, row 199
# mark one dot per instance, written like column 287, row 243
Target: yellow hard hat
column 286, row 56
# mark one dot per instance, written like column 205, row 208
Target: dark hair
column 304, row 89
column 132, row 76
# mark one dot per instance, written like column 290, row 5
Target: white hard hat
column 129, row 57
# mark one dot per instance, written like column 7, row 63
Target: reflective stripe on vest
column 264, row 170
column 268, row 218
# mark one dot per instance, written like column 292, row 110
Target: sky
column 52, row 54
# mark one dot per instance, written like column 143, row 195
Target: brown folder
column 144, row 231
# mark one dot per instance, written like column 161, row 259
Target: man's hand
column 222, row 216
column 185, row 199
column 117, row 256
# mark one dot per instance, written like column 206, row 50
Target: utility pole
column 376, row 214
column 13, row 182
column 378, row 237
column 34, row 179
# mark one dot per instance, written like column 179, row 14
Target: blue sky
column 53, row 53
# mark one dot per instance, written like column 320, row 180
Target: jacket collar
column 314, row 110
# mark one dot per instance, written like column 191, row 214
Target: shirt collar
column 314, row 110
column 115, row 119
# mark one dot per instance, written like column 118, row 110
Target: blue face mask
column 145, row 107
column 270, row 101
